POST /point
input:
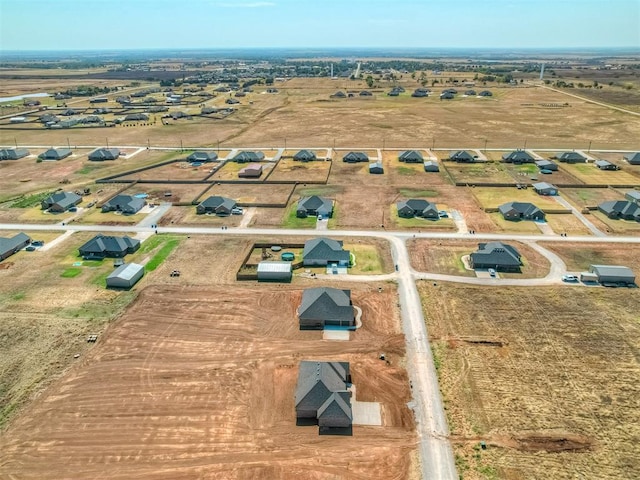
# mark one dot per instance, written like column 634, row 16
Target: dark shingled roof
column 247, row 156
column 9, row 244
column 305, row 155
column 518, row 156
column 461, row 155
column 356, row 157
column 315, row 203
column 105, row 154
column 525, row 209
column 318, row 381
column 411, row 155
column 201, row 156
column 324, row 249
column 101, row 245
column 326, row 304
column 496, row 254
column 64, row 200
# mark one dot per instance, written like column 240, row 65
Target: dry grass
column 567, row 223
column 490, row 172
column 592, row 175
column 537, row 379
column 289, row 170
column 509, row 226
column 494, row 197
column 579, row 257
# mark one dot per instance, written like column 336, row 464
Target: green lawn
column 71, row 272
column 367, row 259
column 28, row 201
column 170, row 244
column 411, row 193
column 442, row 223
column 290, row 219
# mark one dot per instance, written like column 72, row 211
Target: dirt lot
column 204, row 388
column 488, row 172
column 289, row 170
column 444, row 256
column 553, row 395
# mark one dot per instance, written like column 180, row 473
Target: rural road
column 592, row 228
column 613, row 107
column 435, row 450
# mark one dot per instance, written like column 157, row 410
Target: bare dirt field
column 547, row 379
column 578, row 256
column 444, row 256
column 289, row 170
column 205, row 388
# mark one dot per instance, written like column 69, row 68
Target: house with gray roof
column 417, row 207
column 202, row 156
column 420, row 93
column 55, row 154
column 322, row 395
column 102, row 246
column 632, row 158
column 462, row 156
column 376, row 168
column 606, row 165
column 305, row 156
column 338, row 94
column 136, row 117
column 571, row 157
column 485, row 93
column 544, row 188
column 520, row 211
column 11, row 245
column 313, row 206
column 518, row 157
column 547, row 165
column 60, row 201
column 325, row 306
column 411, row 156
column 431, row 166
column 620, row 209
column 13, row 153
column 126, row 204
column 355, row 157
column 221, row 206
column 320, row 252
column 102, row 154
column 633, row 196
column 248, row 157
column 500, row 256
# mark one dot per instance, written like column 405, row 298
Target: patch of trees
column 86, row 91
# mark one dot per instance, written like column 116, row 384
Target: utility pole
column 107, row 139
column 589, row 149
column 181, row 148
column 68, row 143
column 485, row 144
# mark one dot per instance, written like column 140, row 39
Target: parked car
column 30, row 248
column 492, row 272
column 570, row 278
column 237, row 211
column 443, row 214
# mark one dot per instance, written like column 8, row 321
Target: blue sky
column 143, row 24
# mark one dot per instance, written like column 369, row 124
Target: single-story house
column 11, row 245
column 420, row 92
column 500, row 256
column 632, row 158
column 322, row 396
column 431, row 166
column 606, row 165
column 355, row 157
column 320, row 252
column 470, row 93
column 55, row 154
column 136, row 117
column 274, row 272
column 248, row 157
column 365, row 93
column 416, row 207
column 61, row 201
column 547, row 165
column 339, row 94
column 485, row 93
column 314, row 206
column 411, row 156
column 215, row 204
column 326, row 306
column 13, row 153
column 520, row 211
column 447, row 96
column 462, row 156
column 231, row 101
column 202, row 156
column 105, row 154
column 633, row 196
column 376, row 167
column 253, row 170
column 102, row 246
column 518, row 157
column 613, row 274
column 571, row 157
column 125, row 276
column 305, row 156
column 127, row 204
column 544, row 188
column 620, row 209
column 393, row 93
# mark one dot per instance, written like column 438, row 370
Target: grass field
column 521, row 227
column 479, row 172
column 291, row 220
column 367, row 259
column 567, row 223
column 579, row 257
column 289, row 170
column 494, row 197
column 591, row 175
column 523, row 382
column 590, row 197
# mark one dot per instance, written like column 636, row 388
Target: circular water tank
column 288, row 256
column 276, row 248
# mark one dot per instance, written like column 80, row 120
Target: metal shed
column 125, row 276
column 613, row 274
column 274, row 272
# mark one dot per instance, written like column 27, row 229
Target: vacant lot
column 205, row 386
column 289, row 170
column 229, row 171
column 175, row 171
column 490, row 172
column 445, row 256
column 510, row 226
column 592, row 175
column 568, row 223
column 590, row 197
column 522, row 379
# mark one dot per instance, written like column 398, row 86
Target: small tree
column 369, row 81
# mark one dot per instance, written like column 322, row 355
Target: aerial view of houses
column 61, row 202
column 497, row 255
column 313, row 206
column 102, row 154
column 11, row 245
column 13, row 153
column 520, row 211
column 104, row 246
column 320, row 252
column 217, row 205
column 125, row 204
column 417, row 207
column 325, row 306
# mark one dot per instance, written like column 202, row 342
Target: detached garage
column 274, row 272
column 613, row 274
column 125, row 276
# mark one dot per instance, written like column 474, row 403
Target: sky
column 154, row 24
